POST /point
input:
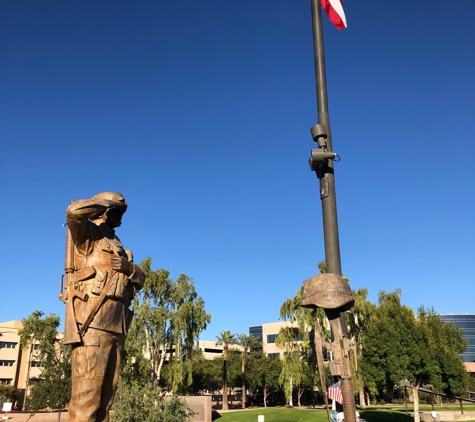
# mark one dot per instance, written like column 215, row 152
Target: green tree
column 54, row 389
column 10, row 393
column 225, row 339
column 298, row 343
column 206, row 375
column 144, row 403
column 394, row 349
column 169, row 315
column 447, row 343
column 263, row 375
column 234, row 369
column 357, row 320
column 422, row 350
column 248, row 343
column 293, row 365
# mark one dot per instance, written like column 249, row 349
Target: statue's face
column 114, row 217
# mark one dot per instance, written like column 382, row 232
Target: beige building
column 470, row 366
column 211, row 350
column 15, row 366
column 267, row 333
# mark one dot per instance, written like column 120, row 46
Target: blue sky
column 199, row 113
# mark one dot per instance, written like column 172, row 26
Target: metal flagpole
column 321, row 162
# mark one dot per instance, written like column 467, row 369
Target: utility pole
column 329, row 291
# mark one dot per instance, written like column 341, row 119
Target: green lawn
column 311, row 415
column 306, row 415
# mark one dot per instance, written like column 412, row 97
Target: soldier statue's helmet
column 327, row 291
column 111, row 196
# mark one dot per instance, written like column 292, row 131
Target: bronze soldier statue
column 99, row 285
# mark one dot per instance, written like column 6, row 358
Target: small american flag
column 334, row 393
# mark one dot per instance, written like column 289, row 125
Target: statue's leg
column 85, row 394
column 115, row 345
column 89, row 365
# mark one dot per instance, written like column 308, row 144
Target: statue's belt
column 97, row 305
column 87, row 273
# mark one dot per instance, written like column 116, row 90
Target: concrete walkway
column 39, row 417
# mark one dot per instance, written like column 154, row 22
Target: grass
column 307, row 415
column 311, row 415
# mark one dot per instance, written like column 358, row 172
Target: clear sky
column 199, row 113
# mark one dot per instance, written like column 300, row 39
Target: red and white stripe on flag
column 334, row 393
column 335, row 12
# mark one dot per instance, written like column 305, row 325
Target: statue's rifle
column 68, row 292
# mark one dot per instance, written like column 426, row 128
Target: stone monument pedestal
column 201, row 406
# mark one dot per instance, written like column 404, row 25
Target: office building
column 15, row 369
column 467, row 323
column 267, row 333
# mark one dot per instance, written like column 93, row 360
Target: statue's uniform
column 96, row 359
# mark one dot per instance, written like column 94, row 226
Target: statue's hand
column 121, row 265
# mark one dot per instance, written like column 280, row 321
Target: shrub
column 136, row 403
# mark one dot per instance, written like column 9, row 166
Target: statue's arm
column 127, row 267
column 78, row 215
column 137, row 277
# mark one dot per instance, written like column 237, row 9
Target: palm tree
column 225, row 338
column 247, row 343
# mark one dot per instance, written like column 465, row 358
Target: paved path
column 39, row 417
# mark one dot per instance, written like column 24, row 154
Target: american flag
column 334, row 393
column 335, row 12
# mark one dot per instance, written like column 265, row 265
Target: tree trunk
column 266, row 394
column 225, row 377
column 362, row 398
column 153, row 359
column 415, row 395
column 291, row 403
column 159, row 365
column 27, row 384
column 299, row 393
column 360, row 378
column 368, row 398
column 438, row 400
column 243, row 376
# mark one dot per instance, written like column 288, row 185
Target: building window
column 467, row 323
column 35, row 346
column 6, row 362
column 273, row 355
column 208, row 350
column 7, row 381
column 7, row 345
column 35, row 364
column 256, row 331
column 271, row 338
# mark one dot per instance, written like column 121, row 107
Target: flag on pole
column 334, row 393
column 335, row 12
